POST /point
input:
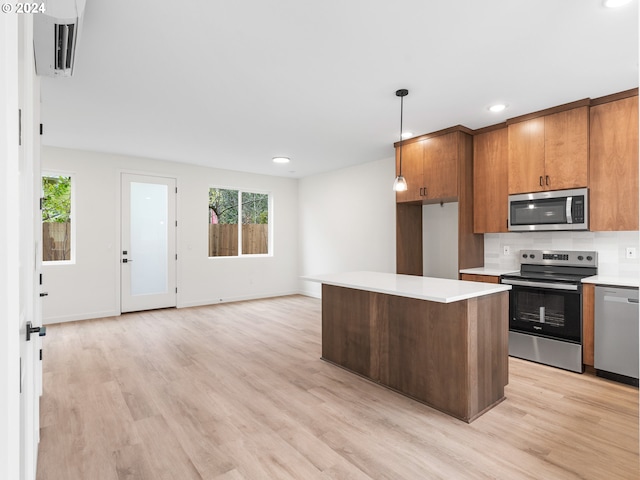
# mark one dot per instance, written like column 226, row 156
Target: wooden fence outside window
column 56, row 241
column 223, row 239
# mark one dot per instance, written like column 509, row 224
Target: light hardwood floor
column 238, row 391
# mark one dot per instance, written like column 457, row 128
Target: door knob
column 127, row 260
column 41, row 331
column 44, row 294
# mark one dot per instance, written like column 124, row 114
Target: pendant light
column 400, row 184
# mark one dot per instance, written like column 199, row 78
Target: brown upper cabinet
column 549, row 152
column 613, row 165
column 441, row 170
column 490, row 196
column 430, row 166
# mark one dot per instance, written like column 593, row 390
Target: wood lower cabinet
column 588, row 316
column 472, row 277
column 450, row 356
column 348, row 344
column 490, row 180
column 549, row 152
column 613, row 167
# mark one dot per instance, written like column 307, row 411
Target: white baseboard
column 214, row 301
column 79, row 316
column 200, row 303
column 309, row 293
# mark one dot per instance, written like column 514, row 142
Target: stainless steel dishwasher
column 616, row 334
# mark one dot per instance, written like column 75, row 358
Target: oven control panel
column 559, row 257
column 555, row 256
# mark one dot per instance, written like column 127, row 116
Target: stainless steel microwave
column 552, row 210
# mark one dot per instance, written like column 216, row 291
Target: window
column 238, row 223
column 56, row 218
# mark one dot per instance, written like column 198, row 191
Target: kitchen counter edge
column 628, row 281
column 441, row 290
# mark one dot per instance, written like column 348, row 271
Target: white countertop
column 495, row 271
column 618, row 281
column 440, row 290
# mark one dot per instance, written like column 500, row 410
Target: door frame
column 19, row 241
column 9, row 254
column 30, row 246
column 118, row 230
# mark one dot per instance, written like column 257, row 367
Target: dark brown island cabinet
column 441, row 342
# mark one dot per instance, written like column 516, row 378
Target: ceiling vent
column 55, row 37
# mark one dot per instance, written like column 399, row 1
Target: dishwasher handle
column 610, row 298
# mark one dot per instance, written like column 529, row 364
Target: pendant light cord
column 401, row 115
column 403, row 92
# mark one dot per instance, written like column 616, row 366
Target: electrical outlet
column 631, row 252
column 506, row 250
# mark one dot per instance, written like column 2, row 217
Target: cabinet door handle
column 547, row 179
column 541, row 184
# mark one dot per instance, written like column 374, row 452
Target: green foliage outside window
column 223, row 206
column 255, row 208
column 56, row 206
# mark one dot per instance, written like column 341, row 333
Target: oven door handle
column 554, row 286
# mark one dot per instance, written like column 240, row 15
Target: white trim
column 197, row 303
column 118, row 230
column 129, row 303
column 309, row 294
column 242, row 298
column 82, row 316
column 9, row 251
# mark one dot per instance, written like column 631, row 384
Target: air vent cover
column 65, row 45
column 55, row 37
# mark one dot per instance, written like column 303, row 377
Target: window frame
column 72, row 217
column 269, row 224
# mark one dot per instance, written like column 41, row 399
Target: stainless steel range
column 545, row 306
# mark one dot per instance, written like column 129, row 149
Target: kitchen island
column 442, row 342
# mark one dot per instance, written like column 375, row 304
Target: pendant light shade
column 400, row 184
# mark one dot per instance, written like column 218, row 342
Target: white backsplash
column 611, row 248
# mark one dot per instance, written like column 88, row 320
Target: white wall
column 609, row 245
column 440, row 240
column 90, row 287
column 347, row 221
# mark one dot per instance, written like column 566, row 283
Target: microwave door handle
column 569, row 201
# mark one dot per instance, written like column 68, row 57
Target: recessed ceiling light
column 498, row 107
column 407, row 134
column 615, row 3
column 281, row 160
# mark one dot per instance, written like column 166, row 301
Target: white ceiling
column 230, row 84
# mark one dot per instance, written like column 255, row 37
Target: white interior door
column 30, row 316
column 148, row 256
